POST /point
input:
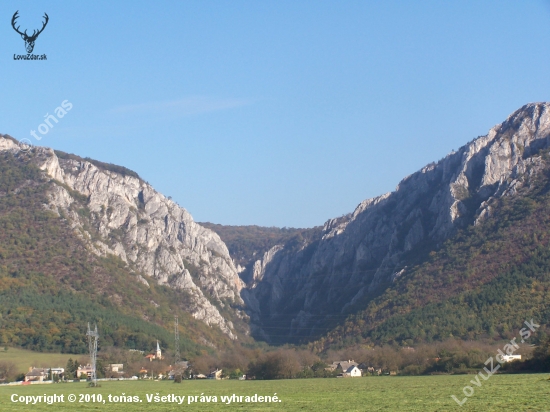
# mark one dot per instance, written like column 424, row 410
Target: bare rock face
column 128, row 218
column 297, row 289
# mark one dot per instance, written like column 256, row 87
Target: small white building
column 352, row 372
column 115, row 367
column 510, row 358
column 342, row 366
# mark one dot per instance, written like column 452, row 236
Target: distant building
column 36, row 375
column 42, row 374
column 341, row 366
column 84, row 370
column 115, row 367
column 352, row 372
column 57, row 371
column 510, row 358
column 157, row 354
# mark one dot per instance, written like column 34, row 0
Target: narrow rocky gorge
column 297, row 290
column 302, row 287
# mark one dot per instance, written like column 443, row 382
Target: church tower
column 158, row 354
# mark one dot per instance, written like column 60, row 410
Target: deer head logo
column 29, row 40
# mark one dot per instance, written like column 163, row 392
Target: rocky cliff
column 314, row 278
column 124, row 216
column 298, row 288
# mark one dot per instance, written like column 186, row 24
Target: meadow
column 23, row 359
column 420, row 393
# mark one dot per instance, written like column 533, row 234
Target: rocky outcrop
column 126, row 217
column 302, row 286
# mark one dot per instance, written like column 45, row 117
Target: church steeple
column 158, row 353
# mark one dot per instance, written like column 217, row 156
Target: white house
column 352, row 372
column 342, row 365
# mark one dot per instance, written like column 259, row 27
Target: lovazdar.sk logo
column 29, row 40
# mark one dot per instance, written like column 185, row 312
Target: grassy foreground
column 424, row 393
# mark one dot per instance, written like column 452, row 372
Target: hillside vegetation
column 246, row 244
column 481, row 284
column 51, row 285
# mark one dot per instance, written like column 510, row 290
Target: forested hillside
column 482, row 284
column 246, row 244
column 435, row 240
column 51, row 285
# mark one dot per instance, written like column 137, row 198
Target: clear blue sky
column 276, row 113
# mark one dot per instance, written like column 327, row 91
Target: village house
column 115, row 367
column 352, row 372
column 57, row 371
column 114, row 370
column 84, row 371
column 341, row 366
column 42, row 374
column 36, row 375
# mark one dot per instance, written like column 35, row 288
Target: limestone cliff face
column 297, row 288
column 128, row 218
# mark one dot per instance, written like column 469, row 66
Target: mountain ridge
column 361, row 256
column 305, row 281
column 119, row 214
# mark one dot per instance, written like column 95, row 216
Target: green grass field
column 23, row 359
column 425, row 393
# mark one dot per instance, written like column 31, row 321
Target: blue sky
column 275, row 113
